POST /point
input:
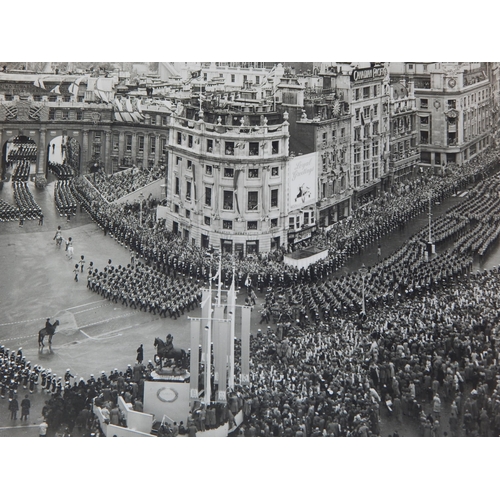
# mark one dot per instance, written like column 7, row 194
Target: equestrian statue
column 166, row 350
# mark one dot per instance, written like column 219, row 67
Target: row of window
column 252, row 225
column 65, row 114
column 228, row 172
column 228, row 197
column 366, row 131
column 334, row 134
column 368, row 112
column 366, row 173
column 140, row 144
column 465, row 101
column 230, row 146
column 366, row 151
column 367, row 92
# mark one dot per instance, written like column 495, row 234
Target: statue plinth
column 170, row 374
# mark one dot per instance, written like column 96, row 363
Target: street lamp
column 141, row 199
column 363, row 271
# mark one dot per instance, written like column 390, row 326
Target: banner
column 217, row 349
column 194, row 363
column 206, row 358
column 231, row 309
column 221, row 363
column 302, row 181
column 245, row 345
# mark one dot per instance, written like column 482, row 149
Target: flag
column 231, row 302
column 128, row 105
column 56, row 90
column 194, row 361
column 245, row 345
column 118, row 104
column 39, row 83
column 73, row 88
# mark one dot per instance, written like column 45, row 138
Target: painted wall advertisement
column 302, row 180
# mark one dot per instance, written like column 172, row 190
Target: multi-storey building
column 404, row 151
column 226, row 183
column 364, row 88
column 108, row 135
column 454, row 104
column 319, row 122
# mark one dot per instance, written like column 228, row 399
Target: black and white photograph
column 280, row 247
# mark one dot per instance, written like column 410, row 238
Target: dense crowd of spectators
column 407, row 359
column 122, row 183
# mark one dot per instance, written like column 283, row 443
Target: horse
column 49, row 331
column 178, row 355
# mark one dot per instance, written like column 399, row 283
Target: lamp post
column 363, row 271
column 429, row 243
column 430, row 218
column 141, row 199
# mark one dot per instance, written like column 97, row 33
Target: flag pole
column 219, row 286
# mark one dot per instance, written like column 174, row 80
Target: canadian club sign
column 368, row 73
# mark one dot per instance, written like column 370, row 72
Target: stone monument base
column 170, row 374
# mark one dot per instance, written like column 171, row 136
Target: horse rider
column 48, row 326
column 169, row 343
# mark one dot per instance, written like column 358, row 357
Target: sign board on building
column 302, row 181
column 368, row 73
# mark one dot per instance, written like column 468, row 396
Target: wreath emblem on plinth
column 173, row 395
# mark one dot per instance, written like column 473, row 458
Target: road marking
column 24, row 321
column 90, row 309
column 86, row 335
column 87, row 304
column 107, row 320
column 25, row 337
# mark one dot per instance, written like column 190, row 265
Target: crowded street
column 96, row 333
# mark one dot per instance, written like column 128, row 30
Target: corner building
column 455, row 103
column 365, row 90
column 226, row 182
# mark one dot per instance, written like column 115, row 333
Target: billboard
column 302, row 181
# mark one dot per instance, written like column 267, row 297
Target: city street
column 95, row 334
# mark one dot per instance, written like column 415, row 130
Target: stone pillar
column 134, row 147
column 145, row 160
column 157, row 150
column 85, row 152
column 107, row 153
column 42, row 153
column 121, row 147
